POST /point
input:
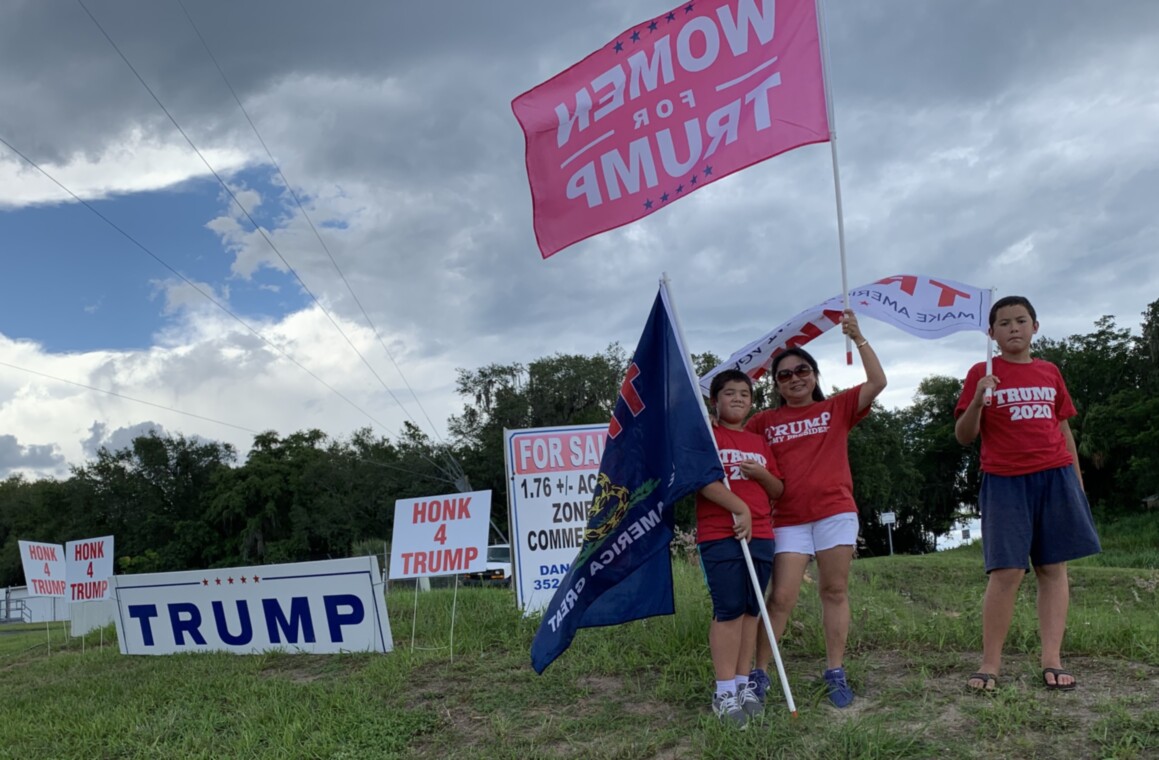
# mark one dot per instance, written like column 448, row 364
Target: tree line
column 177, row 503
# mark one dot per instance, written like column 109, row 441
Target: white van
column 498, row 572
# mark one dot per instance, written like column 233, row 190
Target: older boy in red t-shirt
column 1032, row 499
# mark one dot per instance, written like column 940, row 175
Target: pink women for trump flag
column 666, row 107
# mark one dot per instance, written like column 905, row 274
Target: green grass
column 635, row 691
column 1129, row 541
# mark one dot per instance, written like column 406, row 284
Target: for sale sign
column 551, row 474
column 43, row 568
column 88, row 567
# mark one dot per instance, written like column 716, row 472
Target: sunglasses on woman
column 801, row 370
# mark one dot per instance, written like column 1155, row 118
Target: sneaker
column 750, row 704
column 761, row 683
column 839, row 692
column 728, row 709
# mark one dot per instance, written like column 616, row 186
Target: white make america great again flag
column 928, row 307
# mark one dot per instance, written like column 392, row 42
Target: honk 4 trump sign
column 43, row 568
column 440, row 535
column 311, row 607
column 88, row 565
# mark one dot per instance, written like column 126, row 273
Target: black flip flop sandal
column 989, row 682
column 1056, row 686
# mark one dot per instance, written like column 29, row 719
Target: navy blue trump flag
column 659, row 449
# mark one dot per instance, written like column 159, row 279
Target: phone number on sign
column 550, row 576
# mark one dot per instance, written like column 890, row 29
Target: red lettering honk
column 439, row 510
column 89, row 551
column 42, row 553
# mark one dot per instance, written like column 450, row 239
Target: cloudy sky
column 1006, row 145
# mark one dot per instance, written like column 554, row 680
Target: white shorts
column 810, row 538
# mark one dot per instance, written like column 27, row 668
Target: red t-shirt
column 1020, row 429
column 713, row 521
column 811, row 446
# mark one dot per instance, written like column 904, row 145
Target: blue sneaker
column 839, row 692
column 761, row 683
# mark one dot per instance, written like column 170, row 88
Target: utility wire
column 124, row 397
column 190, row 283
column 309, row 221
column 127, row 398
column 257, row 227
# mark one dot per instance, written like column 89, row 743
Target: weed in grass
column 1126, row 737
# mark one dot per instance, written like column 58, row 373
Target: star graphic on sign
column 648, row 203
column 243, row 579
column 619, row 46
column 256, row 579
column 679, row 189
column 204, row 581
column 652, row 26
column 865, row 303
column 217, row 581
column 230, row 581
column 692, row 180
column 707, row 169
column 688, row 8
column 664, row 198
column 635, row 36
column 671, row 17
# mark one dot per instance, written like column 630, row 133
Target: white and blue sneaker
column 749, row 702
column 728, row 710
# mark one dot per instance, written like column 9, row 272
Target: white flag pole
column 829, row 111
column 988, row 396
column 664, row 286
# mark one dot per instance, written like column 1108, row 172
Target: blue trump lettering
column 336, row 619
column 293, row 625
column 243, row 615
column 299, row 618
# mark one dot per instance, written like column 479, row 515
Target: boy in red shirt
column 725, row 516
column 1032, row 498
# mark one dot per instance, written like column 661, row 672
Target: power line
column 189, row 282
column 310, row 221
column 126, row 398
column 257, row 227
column 106, row 391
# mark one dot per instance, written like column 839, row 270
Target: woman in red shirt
column 816, row 516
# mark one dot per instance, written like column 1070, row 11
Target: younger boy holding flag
column 725, row 516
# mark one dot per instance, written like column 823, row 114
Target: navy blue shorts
column 728, row 579
column 1043, row 516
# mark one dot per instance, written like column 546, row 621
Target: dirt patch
column 921, row 694
column 307, row 668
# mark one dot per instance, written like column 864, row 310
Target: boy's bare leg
column 997, row 612
column 833, row 571
column 788, row 570
column 1053, row 601
column 748, row 644
column 724, row 641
